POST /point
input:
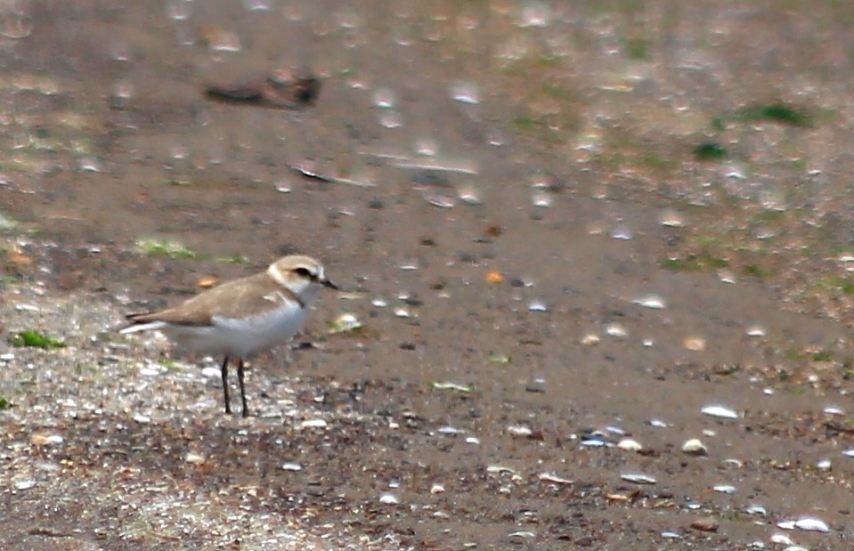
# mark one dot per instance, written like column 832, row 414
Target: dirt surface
column 566, row 228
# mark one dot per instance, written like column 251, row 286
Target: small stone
column 706, row 524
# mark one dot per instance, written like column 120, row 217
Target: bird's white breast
column 240, row 337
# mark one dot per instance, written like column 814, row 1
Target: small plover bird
column 242, row 317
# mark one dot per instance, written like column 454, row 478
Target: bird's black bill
column 328, row 283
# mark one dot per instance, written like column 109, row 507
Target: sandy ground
column 553, row 284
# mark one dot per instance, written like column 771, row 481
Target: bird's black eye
column 304, row 272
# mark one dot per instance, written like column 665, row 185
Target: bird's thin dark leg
column 225, row 384
column 242, row 388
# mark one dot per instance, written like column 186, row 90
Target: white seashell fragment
column 498, row 469
column 656, row 302
column 7, row 357
column 694, row 447
column 472, row 440
column 616, row 330
column 830, row 410
column 782, row 538
column 437, row 489
column 658, row 423
column 313, row 424
column 211, row 372
column 726, row 276
column 756, row 330
column 291, row 466
column 194, row 458
column 724, row 488
column 519, row 431
column 638, row 478
column 590, row 339
column 141, row 419
column 623, row 233
column 24, row 484
column 811, row 524
column 671, row 219
column 756, row 510
column 553, row 479
column 823, row 465
column 537, row 306
column 389, row 499
column 848, row 453
column 720, row 411
column 629, row 444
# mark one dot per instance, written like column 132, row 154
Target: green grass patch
column 822, row 356
column 718, row 124
column 35, row 339
column 557, row 92
column 4, row 403
column 694, row 263
column 842, row 285
column 709, row 151
column 539, row 128
column 172, row 249
column 756, row 270
column 779, row 112
column 637, row 49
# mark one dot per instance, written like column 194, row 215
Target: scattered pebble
column 696, row 344
column 706, row 524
